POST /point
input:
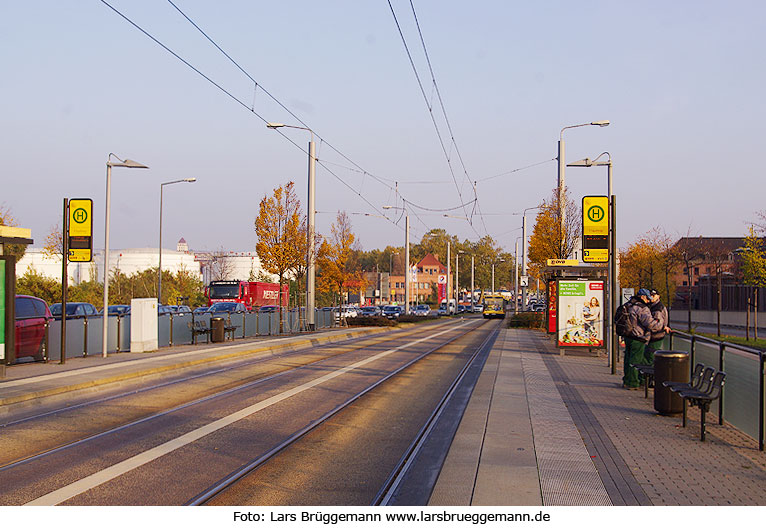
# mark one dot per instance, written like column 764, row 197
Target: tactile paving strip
column 568, row 476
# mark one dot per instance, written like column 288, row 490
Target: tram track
column 396, row 475
column 250, row 385
column 319, row 354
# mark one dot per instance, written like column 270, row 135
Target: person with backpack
column 635, row 323
column 660, row 312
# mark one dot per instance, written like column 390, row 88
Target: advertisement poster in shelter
column 580, row 313
column 552, row 302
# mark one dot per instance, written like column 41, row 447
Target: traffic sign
column 443, row 278
column 80, row 230
column 595, row 229
column 523, row 281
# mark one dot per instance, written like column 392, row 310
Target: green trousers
column 634, row 354
column 652, row 347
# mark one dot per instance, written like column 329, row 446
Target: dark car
column 200, row 310
column 227, row 307
column 179, row 309
column 370, row 311
column 118, row 310
column 268, row 309
column 422, row 310
column 32, row 314
column 392, row 311
column 74, row 310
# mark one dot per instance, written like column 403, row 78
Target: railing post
column 119, row 325
column 85, row 336
column 693, row 351
column 46, row 357
column 670, row 341
column 721, row 349
column 244, row 317
column 171, row 330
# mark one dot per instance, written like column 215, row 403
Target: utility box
column 143, row 325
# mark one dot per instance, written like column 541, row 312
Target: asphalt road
column 164, row 445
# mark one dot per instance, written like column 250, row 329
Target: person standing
column 642, row 325
column 660, row 312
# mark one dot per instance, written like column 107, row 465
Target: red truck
column 252, row 294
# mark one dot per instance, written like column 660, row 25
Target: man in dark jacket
column 660, row 312
column 643, row 324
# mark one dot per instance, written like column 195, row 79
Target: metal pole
column 64, row 277
column 516, row 277
column 310, row 265
column 524, row 260
column 493, row 278
column 472, row 286
column 613, row 288
column 104, row 324
column 447, row 290
column 561, row 190
column 159, row 272
column 457, row 277
column 407, row 271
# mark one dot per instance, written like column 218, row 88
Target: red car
column 31, row 317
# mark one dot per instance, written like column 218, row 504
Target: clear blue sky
column 681, row 82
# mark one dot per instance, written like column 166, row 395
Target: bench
column 198, row 327
column 647, row 371
column 230, row 330
column 702, row 395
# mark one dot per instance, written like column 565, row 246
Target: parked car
column 117, row 310
column 200, row 310
column 347, row 311
column 228, row 307
column 32, row 314
column 179, row 309
column 164, row 309
column 392, row 311
column 478, row 308
column 371, row 311
column 268, row 309
column 74, row 310
column 422, row 310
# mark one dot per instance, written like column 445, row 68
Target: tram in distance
column 494, row 306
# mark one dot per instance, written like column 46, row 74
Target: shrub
column 533, row 320
column 370, row 321
column 415, row 318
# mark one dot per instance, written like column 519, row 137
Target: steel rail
column 226, row 482
column 384, row 495
column 198, row 401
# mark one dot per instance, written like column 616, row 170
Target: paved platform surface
column 515, row 444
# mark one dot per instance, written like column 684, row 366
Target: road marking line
column 76, row 488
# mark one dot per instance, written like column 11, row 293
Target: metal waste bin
column 669, row 366
column 217, row 332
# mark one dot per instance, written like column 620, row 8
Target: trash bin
column 669, row 366
column 217, row 332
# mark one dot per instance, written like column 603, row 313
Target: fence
column 743, row 399
column 84, row 334
column 705, row 298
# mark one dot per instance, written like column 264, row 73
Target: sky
column 681, row 83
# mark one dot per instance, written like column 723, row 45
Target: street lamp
column 310, row 228
column 457, row 276
column 109, row 165
column 516, row 275
column 407, row 271
column 562, row 169
column 447, row 290
column 612, row 344
column 524, row 255
column 501, row 260
column 159, row 273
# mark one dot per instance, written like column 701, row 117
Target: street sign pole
column 64, row 277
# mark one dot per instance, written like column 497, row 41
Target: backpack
column 623, row 320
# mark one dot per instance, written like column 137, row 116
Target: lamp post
column 472, row 286
column 407, row 271
column 159, row 272
column 562, row 169
column 310, row 228
column 516, row 275
column 612, row 344
column 390, row 270
column 457, row 276
column 447, row 290
column 109, row 165
column 524, row 255
column 493, row 274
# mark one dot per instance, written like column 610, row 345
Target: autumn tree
column 7, row 219
column 552, row 239
column 278, row 228
column 219, row 264
column 649, row 262
column 334, row 256
column 54, row 243
column 754, row 266
column 689, row 250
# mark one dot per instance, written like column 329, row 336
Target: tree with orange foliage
column 333, row 261
column 649, row 262
column 278, row 229
column 548, row 241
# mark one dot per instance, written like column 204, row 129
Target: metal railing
column 83, row 337
column 745, row 379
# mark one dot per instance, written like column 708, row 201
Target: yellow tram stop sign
column 595, row 229
column 80, row 232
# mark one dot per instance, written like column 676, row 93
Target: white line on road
column 76, row 488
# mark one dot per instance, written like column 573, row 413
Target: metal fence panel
column 251, row 324
column 274, row 323
column 263, row 323
column 124, row 333
column 54, row 340
column 75, row 337
column 163, row 330
column 182, row 329
column 740, row 404
column 94, row 335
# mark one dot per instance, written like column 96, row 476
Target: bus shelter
column 577, row 306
